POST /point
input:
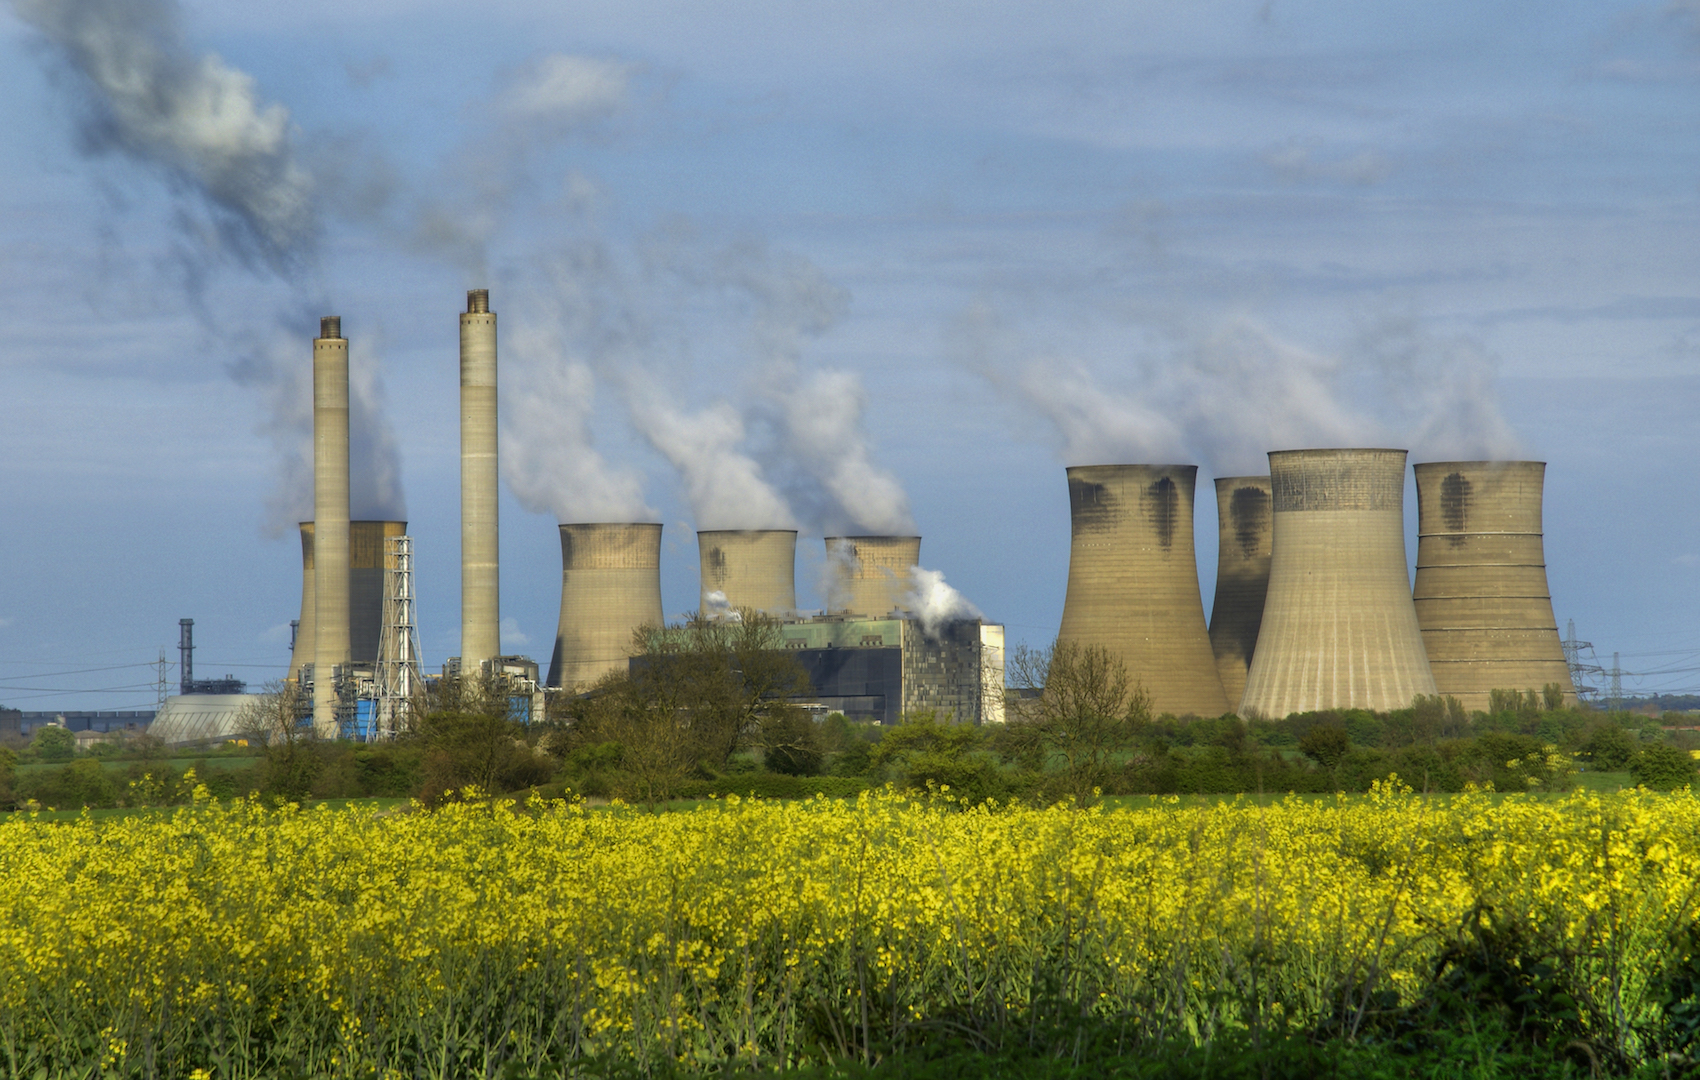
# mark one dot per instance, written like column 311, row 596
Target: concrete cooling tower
column 610, row 586
column 1243, row 522
column 1133, row 582
column 1339, row 629
column 1481, row 591
column 869, row 575
column 367, row 559
column 304, row 637
column 330, row 519
column 480, row 579
column 754, row 568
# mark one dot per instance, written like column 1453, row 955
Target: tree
column 1325, row 744
column 1662, row 768
column 1609, row 748
column 471, row 740
column 279, row 721
column 1085, row 713
column 931, row 755
column 54, row 743
column 694, row 695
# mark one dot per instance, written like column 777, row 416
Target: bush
column 1608, row 748
column 54, row 743
column 1662, row 768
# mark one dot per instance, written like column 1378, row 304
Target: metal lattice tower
column 398, row 677
column 1580, row 668
column 1616, row 684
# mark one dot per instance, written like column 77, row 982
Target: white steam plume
column 724, row 485
column 818, row 413
column 1227, row 395
column 147, row 96
column 278, row 366
column 933, row 603
column 243, row 193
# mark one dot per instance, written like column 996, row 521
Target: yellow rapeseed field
column 235, row 939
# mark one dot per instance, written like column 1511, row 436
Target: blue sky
column 869, row 263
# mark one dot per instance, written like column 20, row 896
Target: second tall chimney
column 330, row 520
column 480, row 590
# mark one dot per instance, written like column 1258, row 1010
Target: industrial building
column 1481, row 589
column 1339, row 629
column 880, row 669
column 1133, row 582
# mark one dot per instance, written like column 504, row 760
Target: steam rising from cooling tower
column 869, row 575
column 1133, row 582
column 610, row 586
column 480, row 584
column 1244, row 530
column 1339, row 629
column 330, row 519
column 749, row 568
column 1481, row 590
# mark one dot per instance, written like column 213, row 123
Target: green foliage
column 54, row 743
column 1325, row 744
column 790, row 743
column 1088, row 712
column 1609, row 747
column 925, row 754
column 1662, row 768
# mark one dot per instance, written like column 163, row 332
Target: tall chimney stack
column 480, row 588
column 330, row 519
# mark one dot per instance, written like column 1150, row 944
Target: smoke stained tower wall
column 1243, row 521
column 330, row 519
column 304, row 635
column 869, row 575
column 753, row 568
column 610, row 586
column 367, row 561
column 1133, row 582
column 480, row 579
column 1481, row 592
column 1339, row 629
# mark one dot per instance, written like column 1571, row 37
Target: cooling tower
column 610, row 586
column 1339, row 630
column 330, row 519
column 755, row 568
column 1481, row 591
column 367, row 560
column 480, row 605
column 1133, row 582
column 869, row 575
column 303, row 652
column 1242, row 577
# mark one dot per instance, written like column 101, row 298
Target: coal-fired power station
column 1339, row 630
column 610, row 587
column 749, row 568
column 869, row 575
column 330, row 519
column 480, row 578
column 1314, row 607
column 1244, row 524
column 1481, row 589
column 1133, row 582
